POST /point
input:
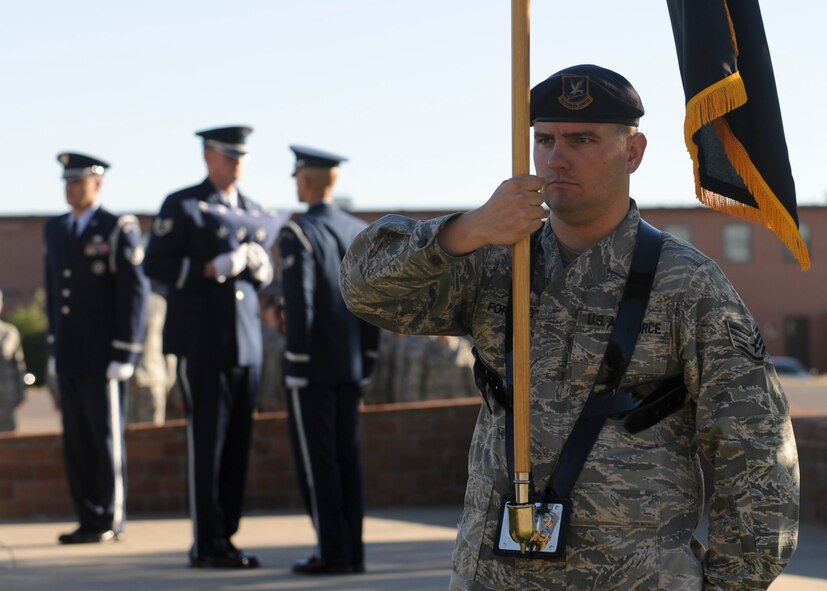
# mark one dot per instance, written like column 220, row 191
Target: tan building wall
column 771, row 283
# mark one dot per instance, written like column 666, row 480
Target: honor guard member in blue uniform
column 96, row 298
column 328, row 354
column 203, row 251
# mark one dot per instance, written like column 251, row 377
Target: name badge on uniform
column 551, row 520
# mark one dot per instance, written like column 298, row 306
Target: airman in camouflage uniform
column 639, row 497
column 448, row 368
column 155, row 373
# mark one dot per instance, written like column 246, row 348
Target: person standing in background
column 271, row 396
column 329, row 353
column 96, row 303
column 155, row 374
column 12, row 373
column 206, row 248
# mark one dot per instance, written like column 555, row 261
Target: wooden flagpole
column 521, row 515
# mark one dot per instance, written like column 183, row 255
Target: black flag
column 733, row 126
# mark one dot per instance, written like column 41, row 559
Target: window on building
column 680, row 231
column 804, row 229
column 738, row 243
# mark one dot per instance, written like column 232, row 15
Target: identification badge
column 548, row 542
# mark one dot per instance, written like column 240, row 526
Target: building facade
column 789, row 305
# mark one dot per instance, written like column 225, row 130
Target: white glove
column 51, row 367
column 230, row 264
column 258, row 261
column 119, row 371
column 293, row 382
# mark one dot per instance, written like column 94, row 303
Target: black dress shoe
column 85, row 535
column 316, row 566
column 232, row 558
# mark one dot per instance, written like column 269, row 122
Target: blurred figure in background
column 12, row 373
column 449, row 368
column 96, row 303
column 271, row 392
column 414, row 367
column 207, row 248
column 329, row 353
column 155, row 373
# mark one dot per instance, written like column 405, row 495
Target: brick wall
column 415, row 454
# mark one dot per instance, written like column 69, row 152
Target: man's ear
column 637, row 146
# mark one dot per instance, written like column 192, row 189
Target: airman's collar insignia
column 575, row 94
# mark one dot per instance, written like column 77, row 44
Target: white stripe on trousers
column 185, row 389
column 308, row 468
column 117, row 455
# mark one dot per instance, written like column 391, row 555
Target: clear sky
column 416, row 94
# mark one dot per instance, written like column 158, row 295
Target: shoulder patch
column 747, row 340
column 161, row 226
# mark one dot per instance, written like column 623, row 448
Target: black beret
column 313, row 158
column 76, row 166
column 232, row 141
column 586, row 93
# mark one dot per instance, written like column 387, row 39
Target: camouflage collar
column 612, row 255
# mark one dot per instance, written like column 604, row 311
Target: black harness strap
column 616, row 359
column 603, row 400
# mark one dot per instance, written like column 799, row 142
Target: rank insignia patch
column 575, row 94
column 747, row 341
column 162, row 227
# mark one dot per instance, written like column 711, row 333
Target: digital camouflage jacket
column 639, row 498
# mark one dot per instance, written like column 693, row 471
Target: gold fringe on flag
column 710, row 106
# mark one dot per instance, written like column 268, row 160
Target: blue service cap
column 586, row 93
column 77, row 166
column 231, row 141
column 313, row 158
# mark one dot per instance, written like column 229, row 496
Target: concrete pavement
column 407, row 550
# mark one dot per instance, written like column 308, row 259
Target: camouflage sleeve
column 743, row 428
column 396, row 276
